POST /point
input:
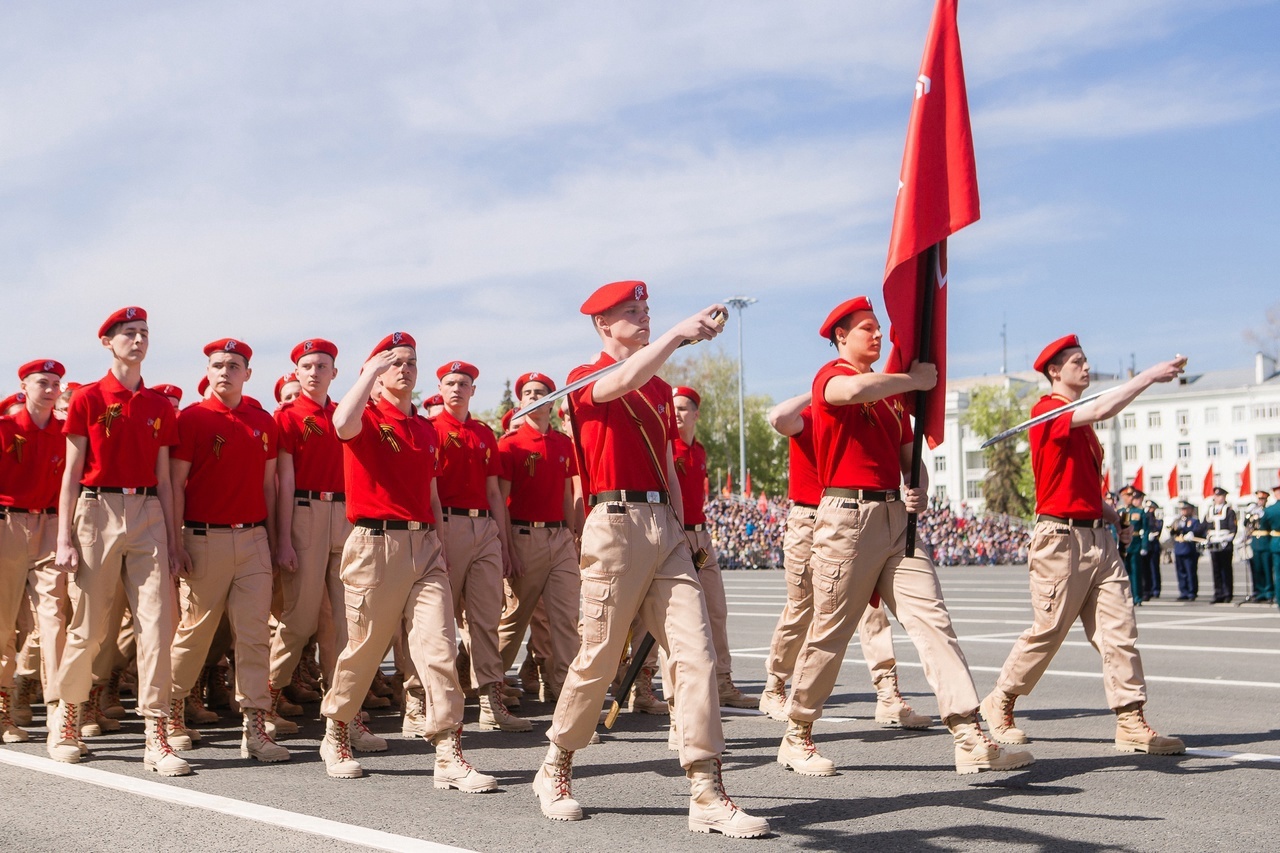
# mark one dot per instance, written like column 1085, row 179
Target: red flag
column 1138, row 481
column 1106, row 483
column 763, row 504
column 746, row 484
column 1173, row 482
column 1208, row 481
column 937, row 196
column 728, row 484
column 1246, row 480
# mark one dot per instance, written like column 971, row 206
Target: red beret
column 313, row 345
column 12, row 400
column 686, row 391
column 232, row 346
column 71, row 386
column 614, row 294
column 506, row 419
column 169, row 391
column 41, row 365
column 844, row 309
column 434, row 400
column 124, row 315
column 283, row 381
column 1047, row 354
column 534, row 377
column 458, row 367
column 202, row 387
column 393, row 340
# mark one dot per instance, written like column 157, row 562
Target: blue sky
column 468, row 172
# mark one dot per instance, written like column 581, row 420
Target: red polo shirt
column 126, row 430
column 468, row 455
column 306, row 434
column 228, row 450
column 537, row 466
column 857, row 446
column 803, row 485
column 691, row 469
column 614, row 450
column 389, row 465
column 31, row 461
column 1067, row 464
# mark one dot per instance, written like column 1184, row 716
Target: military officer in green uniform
column 1260, row 549
column 1271, row 518
column 1133, row 516
column 1155, row 528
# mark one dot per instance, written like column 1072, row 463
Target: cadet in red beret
column 287, row 388
column 473, row 531
column 862, row 447
column 173, row 392
column 1075, row 565
column 537, row 484
column 392, row 569
column 636, row 559
column 32, row 458
column 432, row 406
column 13, row 403
column 115, row 529
column 224, row 489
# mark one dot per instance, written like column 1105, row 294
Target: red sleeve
column 77, row 422
column 185, row 447
column 273, row 437
column 288, row 440
column 168, row 427
column 506, row 459
column 367, row 425
column 494, row 468
column 1057, row 429
column 908, row 434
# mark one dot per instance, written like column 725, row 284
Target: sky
column 469, row 172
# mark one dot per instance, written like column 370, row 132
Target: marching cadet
column 224, row 490
column 794, row 419
column 1075, row 566
column 114, row 525
column 32, row 458
column 1260, row 549
column 636, row 559
column 1220, row 533
column 1155, row 529
column 173, row 393
column 392, row 568
column 1188, row 536
column 287, row 388
column 862, row 444
column 537, row 484
column 691, row 469
column 473, row 531
column 1134, row 517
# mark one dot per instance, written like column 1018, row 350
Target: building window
column 975, row 460
column 940, row 493
column 973, row 489
column 1182, row 416
column 1241, row 446
column 1184, row 450
column 1237, row 414
column 1184, row 484
column 1157, row 484
column 1153, row 419
column 1211, row 449
column 1269, row 444
column 1211, row 415
column 1266, row 411
column 1155, row 451
column 1130, row 453
column 939, row 464
column 1129, row 421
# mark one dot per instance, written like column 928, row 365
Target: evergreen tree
column 1009, row 487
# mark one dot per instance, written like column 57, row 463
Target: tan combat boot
column 797, row 751
column 510, row 694
column 997, row 710
column 976, row 752
column 528, row 675
column 219, row 694
column 553, row 785
column 159, row 754
column 24, row 693
column 176, row 733
column 363, row 740
column 110, row 703
column 63, row 742
column 494, row 714
column 277, row 724
column 415, row 710
column 643, row 699
column 105, row 723
column 892, row 710
column 454, row 771
column 335, row 749
column 298, row 691
column 773, row 701
column 256, row 742
column 1133, row 734
column 711, row 810
column 8, row 728
column 196, row 712
column 731, row 696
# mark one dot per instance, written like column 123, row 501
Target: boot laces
column 1006, row 709
column 1142, row 721
column 563, row 776
column 717, row 780
column 6, row 718
column 70, row 731
column 455, row 749
column 177, row 715
column 496, row 705
column 161, row 738
column 260, row 725
column 27, row 691
column 806, row 743
column 343, row 735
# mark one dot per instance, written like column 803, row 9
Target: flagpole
column 924, row 353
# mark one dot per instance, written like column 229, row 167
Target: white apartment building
column 1223, row 418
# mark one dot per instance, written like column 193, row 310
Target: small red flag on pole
column 1208, row 481
column 1138, row 482
column 1246, row 480
column 1173, row 482
column 746, row 485
column 1106, row 483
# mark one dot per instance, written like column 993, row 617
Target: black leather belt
column 5, row 510
column 863, row 494
column 319, row 496
column 377, row 525
column 538, row 523
column 1071, row 522
column 470, row 513
column 695, row 528
column 149, row 491
column 200, row 525
column 630, row 497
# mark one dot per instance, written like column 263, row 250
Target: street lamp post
column 741, row 302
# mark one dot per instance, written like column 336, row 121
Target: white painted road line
column 349, row 833
column 1143, row 646
column 1234, row 756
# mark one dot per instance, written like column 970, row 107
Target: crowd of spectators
column 749, row 536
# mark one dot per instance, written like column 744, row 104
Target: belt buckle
column 653, row 497
column 415, row 525
column 890, row 497
column 326, row 496
column 473, row 513
column 539, row 524
column 237, row 526
column 129, row 491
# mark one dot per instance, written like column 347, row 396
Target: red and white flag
column 1208, row 481
column 1246, row 480
column 1173, row 482
column 937, row 196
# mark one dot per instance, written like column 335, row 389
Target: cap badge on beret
column 130, row 313
column 397, row 337
column 640, row 292
column 457, row 365
column 307, row 346
column 48, row 366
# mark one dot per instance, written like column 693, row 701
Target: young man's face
column 128, row 341
column 42, row 389
column 402, row 376
column 1074, row 372
column 628, row 322
column 862, row 339
column 289, row 392
column 457, row 390
column 227, row 373
column 315, row 372
column 686, row 413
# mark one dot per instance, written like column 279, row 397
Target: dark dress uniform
column 1186, row 554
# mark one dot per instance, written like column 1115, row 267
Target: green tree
column 1009, row 487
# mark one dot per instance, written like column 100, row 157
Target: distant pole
column 741, row 302
column 1004, row 347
